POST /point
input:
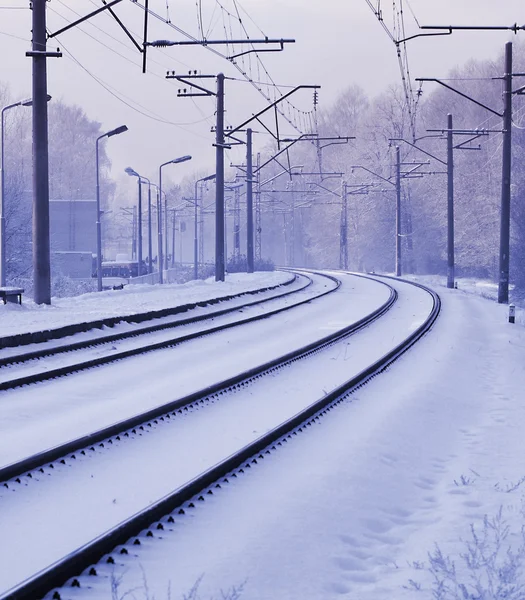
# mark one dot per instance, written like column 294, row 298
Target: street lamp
column 141, row 178
column 108, row 134
column 180, row 159
column 158, row 205
column 195, row 234
column 27, row 102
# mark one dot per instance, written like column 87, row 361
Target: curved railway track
column 136, row 424
column 46, row 335
column 46, row 373
column 157, row 516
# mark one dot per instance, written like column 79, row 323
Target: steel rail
column 138, row 423
column 56, row 372
column 150, row 519
column 24, row 339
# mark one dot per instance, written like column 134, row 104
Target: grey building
column 73, row 236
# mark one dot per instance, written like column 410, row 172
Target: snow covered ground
column 353, row 508
column 82, row 499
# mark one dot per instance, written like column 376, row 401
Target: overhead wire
column 199, row 17
column 398, row 37
column 131, row 31
column 116, row 93
column 248, row 77
column 16, row 37
column 120, row 96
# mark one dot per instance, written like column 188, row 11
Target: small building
column 73, row 237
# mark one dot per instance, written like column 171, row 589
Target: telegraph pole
column 150, row 243
column 159, row 229
column 139, row 228
column 249, row 201
column 506, row 115
column 258, row 228
column 504, row 247
column 41, row 245
column 237, row 223
column 398, row 212
column 450, row 203
column 173, row 239
column 343, row 239
column 134, row 234
column 219, row 181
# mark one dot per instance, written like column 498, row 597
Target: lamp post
column 175, row 161
column 108, row 134
column 28, row 102
column 195, row 224
column 140, row 178
column 159, row 229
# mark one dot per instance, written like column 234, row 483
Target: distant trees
column 72, row 138
column 371, row 215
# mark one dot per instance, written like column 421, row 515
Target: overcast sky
column 338, row 43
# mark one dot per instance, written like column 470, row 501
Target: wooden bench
column 11, row 294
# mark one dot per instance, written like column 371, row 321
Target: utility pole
column 504, row 246
column 41, row 244
column 219, row 181
column 471, row 134
column 220, row 145
column 159, row 229
column 450, row 204
column 318, row 142
column 39, row 55
column 258, row 224
column 139, row 228
column 166, row 238
column 249, row 201
column 150, row 241
column 398, row 212
column 237, row 223
column 134, row 234
column 173, row 239
column 506, row 115
column 292, row 226
column 343, row 236
column 195, row 236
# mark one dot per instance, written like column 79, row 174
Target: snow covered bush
column 491, row 566
column 142, row 592
column 62, row 286
column 239, row 264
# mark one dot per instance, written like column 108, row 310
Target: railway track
column 37, row 337
column 156, row 517
column 43, row 372
column 138, row 423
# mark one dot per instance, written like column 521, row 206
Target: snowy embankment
column 415, row 458
column 132, row 299
column 423, row 453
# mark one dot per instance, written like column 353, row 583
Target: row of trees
column 72, row 138
column 301, row 216
column 315, row 218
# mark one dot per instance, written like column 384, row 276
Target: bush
column 491, row 567
column 239, row 264
column 62, row 286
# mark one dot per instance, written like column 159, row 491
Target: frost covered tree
column 72, row 138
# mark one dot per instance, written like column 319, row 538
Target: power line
column 164, row 66
column 116, row 95
column 16, row 37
